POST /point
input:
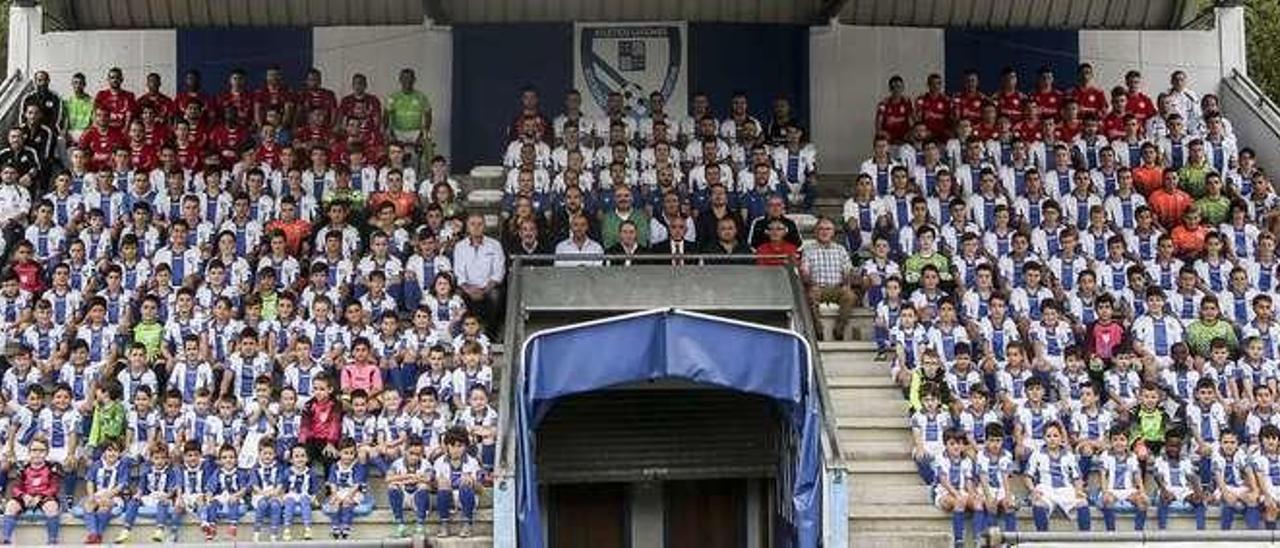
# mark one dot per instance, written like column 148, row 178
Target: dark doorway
column 706, row 514
column 588, row 515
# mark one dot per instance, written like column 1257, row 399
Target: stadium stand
column 271, row 312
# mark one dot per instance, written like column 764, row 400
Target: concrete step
column 891, row 478
column 861, row 468
column 903, row 539
column 888, row 429
column 861, row 381
column 851, row 364
column 925, row 517
column 857, row 449
column 851, row 407
column 865, row 493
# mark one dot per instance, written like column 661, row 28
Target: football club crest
column 634, row 60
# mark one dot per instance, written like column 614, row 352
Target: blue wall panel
column 491, row 63
column 216, row 52
column 765, row 61
column 989, row 52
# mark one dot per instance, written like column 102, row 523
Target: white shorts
column 938, row 492
column 295, row 497
column 1059, row 497
column 117, row 503
column 1122, row 497
column 1238, row 491
column 997, row 493
column 1180, row 494
column 226, row 499
column 191, row 501
column 153, row 499
column 258, row 499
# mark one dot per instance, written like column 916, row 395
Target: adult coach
column 409, row 119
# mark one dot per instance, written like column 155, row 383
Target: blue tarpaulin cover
column 666, row 344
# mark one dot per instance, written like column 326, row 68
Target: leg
column 1109, row 511
column 395, row 498
column 444, row 503
column 52, row 520
column 421, row 505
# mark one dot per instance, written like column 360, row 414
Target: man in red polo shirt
column 1047, row 98
column 230, row 137
column 274, row 94
column 1089, row 98
column 1113, row 125
column 159, row 103
column 237, row 96
column 363, row 107
column 191, row 93
column 101, row 140
column 1009, row 100
column 1139, row 103
column 315, row 98
column 968, row 103
column 934, row 109
column 120, row 104
column 1169, row 202
column 893, row 114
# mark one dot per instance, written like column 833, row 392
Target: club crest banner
column 634, row 59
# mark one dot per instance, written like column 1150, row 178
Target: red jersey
column 1049, row 102
column 968, row 106
column 269, row 153
column 229, row 141
column 42, row 481
column 143, row 157
column 157, row 135
column 242, row 102
column 895, row 118
column 1113, row 126
column 277, row 98
column 1140, row 106
column 159, row 103
column 120, row 106
column 313, row 135
column 318, row 99
column 321, row 422
column 935, row 112
column 1091, row 100
column 1069, row 129
column 101, row 143
column 189, row 156
column 1028, row 130
column 985, row 131
column 29, row 276
column 366, row 108
column 182, row 99
column 1010, row 104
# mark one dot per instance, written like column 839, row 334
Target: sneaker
column 445, row 530
column 333, row 533
column 286, row 535
column 344, row 534
column 420, row 530
column 93, row 539
column 466, row 530
column 158, row 535
column 231, row 531
column 401, row 530
column 257, row 537
column 306, row 533
column 123, row 537
column 208, row 530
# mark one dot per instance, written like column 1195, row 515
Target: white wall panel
column 137, row 53
column 1156, row 54
column 849, row 69
column 380, row 52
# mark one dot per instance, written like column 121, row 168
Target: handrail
column 512, row 335
column 808, row 328
column 1256, row 99
column 11, row 93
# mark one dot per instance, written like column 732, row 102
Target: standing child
column 409, row 478
column 35, row 489
column 268, row 491
column 1179, row 485
column 927, row 426
column 321, row 423
column 1122, row 484
column 346, row 489
column 1233, row 480
column 300, row 489
column 954, row 491
column 994, row 466
column 106, row 486
column 457, row 481
column 227, row 493
column 1053, row 478
column 157, row 489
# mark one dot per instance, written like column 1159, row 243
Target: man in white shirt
column 579, row 243
column 480, row 267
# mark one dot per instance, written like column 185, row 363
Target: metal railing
column 1263, row 107
column 11, row 92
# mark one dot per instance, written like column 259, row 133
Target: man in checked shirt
column 826, row 269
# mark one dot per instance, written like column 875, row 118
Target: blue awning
column 669, row 343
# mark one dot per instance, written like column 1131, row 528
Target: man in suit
column 628, row 243
column 675, row 244
column 727, row 241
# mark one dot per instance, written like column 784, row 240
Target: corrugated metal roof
column 116, row 14
column 1015, row 14
column 997, row 14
